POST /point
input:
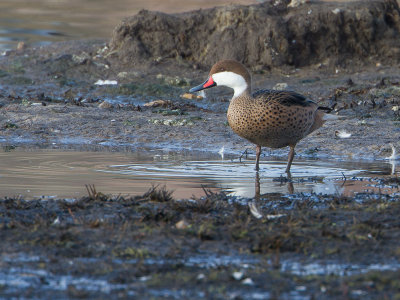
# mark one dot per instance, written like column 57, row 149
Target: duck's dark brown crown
column 231, row 66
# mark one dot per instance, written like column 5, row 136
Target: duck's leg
column 258, row 153
column 257, row 187
column 290, row 159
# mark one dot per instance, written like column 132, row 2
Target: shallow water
column 24, row 275
column 43, row 21
column 59, row 173
column 333, row 267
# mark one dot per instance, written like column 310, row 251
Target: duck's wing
column 287, row 98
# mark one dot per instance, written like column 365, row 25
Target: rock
column 174, row 80
column 105, row 104
column 191, row 96
column 337, row 33
column 295, row 3
column 157, row 103
column 130, row 74
column 182, row 224
column 81, row 59
column 280, row 86
column 122, row 74
column 21, row 46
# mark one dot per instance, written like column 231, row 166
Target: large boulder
column 266, row 35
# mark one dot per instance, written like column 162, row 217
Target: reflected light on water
column 65, row 173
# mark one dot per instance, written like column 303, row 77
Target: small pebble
column 157, row 103
column 182, row 224
column 191, row 96
column 201, row 276
column 280, row 86
column 105, row 104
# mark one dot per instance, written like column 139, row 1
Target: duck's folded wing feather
column 287, row 98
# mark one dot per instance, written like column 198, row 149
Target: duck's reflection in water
column 254, row 204
column 284, row 180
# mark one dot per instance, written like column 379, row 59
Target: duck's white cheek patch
column 232, row 80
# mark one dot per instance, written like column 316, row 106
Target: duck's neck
column 237, row 82
column 242, row 91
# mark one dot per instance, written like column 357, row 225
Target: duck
column 266, row 118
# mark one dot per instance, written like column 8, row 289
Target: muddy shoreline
column 64, row 107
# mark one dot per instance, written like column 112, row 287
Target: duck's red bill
column 209, row 83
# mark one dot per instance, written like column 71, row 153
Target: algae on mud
column 132, row 246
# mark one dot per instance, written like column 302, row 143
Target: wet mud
column 153, row 246
column 264, row 36
column 278, row 246
column 50, row 98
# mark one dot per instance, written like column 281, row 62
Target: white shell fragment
column 201, row 276
column 221, row 152
column 106, row 82
column 394, row 155
column 342, row 134
column 254, row 210
column 277, row 216
column 248, row 281
column 237, row 275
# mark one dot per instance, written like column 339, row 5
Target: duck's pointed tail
column 325, row 109
column 324, row 113
column 321, row 116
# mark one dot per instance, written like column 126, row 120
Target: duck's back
column 273, row 118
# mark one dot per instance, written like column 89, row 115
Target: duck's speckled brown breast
column 270, row 122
